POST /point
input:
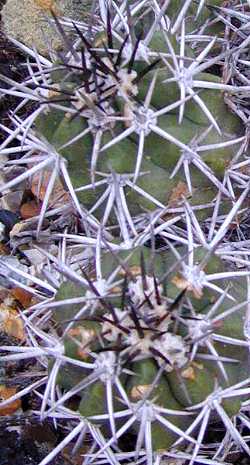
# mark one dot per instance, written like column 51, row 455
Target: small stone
column 2, row 233
column 35, row 257
column 32, row 23
column 12, row 201
column 7, row 219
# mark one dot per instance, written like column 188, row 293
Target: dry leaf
column 39, row 186
column 11, row 323
column 199, row 365
column 48, row 5
column 189, row 374
column 115, row 290
column 45, row 4
column 29, row 210
column 138, row 392
column 177, row 194
column 6, row 393
column 134, row 270
column 17, row 229
column 53, row 92
column 86, row 336
column 182, row 284
column 75, row 459
column 3, row 249
column 4, row 293
column 22, row 296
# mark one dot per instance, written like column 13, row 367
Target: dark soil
column 10, row 65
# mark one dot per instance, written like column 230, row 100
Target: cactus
column 145, row 330
column 161, row 343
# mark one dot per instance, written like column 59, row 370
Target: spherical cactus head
column 147, row 336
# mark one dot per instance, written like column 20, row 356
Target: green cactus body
column 93, row 400
column 167, row 92
column 65, row 313
column 121, row 157
column 48, row 123
column 153, row 339
column 69, row 376
column 159, row 160
column 191, row 386
column 183, row 382
column 139, row 385
column 160, row 155
column 228, row 122
column 193, row 22
column 194, row 385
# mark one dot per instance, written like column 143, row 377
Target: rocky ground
column 23, row 440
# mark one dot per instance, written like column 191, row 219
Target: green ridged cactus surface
column 168, row 340
column 136, row 140
column 149, row 139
